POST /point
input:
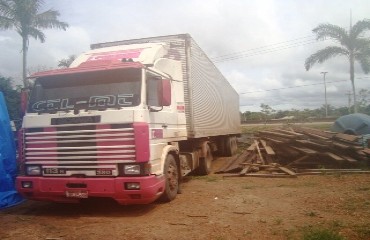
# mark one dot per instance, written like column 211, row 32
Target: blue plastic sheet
column 8, row 166
column 357, row 124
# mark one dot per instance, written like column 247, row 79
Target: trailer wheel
column 231, row 146
column 205, row 163
column 221, row 145
column 171, row 174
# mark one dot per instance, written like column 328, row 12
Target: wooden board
column 245, row 170
column 298, row 160
column 288, row 171
column 349, row 159
column 305, row 150
column 267, row 175
column 340, row 145
column 334, row 156
column 317, row 136
column 312, row 144
column 273, row 140
column 299, row 135
column 271, row 133
column 366, row 150
column 252, row 147
column 347, row 137
column 268, row 149
column 313, row 131
column 259, row 152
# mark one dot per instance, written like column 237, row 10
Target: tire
column 234, row 145
column 221, row 147
column 171, row 174
column 205, row 163
column 231, row 146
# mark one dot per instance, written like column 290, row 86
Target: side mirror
column 164, row 92
column 24, row 101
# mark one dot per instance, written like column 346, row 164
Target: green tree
column 64, row 63
column 342, row 111
column 364, row 95
column 267, row 111
column 352, row 45
column 12, row 97
column 25, row 17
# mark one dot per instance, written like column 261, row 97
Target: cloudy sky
column 259, row 45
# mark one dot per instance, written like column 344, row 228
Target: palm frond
column 365, row 63
column 5, row 8
column 335, row 32
column 49, row 19
column 6, row 23
column 38, row 4
column 361, row 45
column 362, row 55
column 36, row 34
column 325, row 54
column 6, row 15
column 359, row 28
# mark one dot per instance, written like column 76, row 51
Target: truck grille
column 78, row 147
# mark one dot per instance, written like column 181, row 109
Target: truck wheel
column 231, row 146
column 234, row 145
column 205, row 163
column 221, row 145
column 171, row 174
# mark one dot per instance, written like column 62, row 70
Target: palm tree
column 65, row 62
column 353, row 46
column 25, row 18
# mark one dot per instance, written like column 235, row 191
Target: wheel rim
column 172, row 176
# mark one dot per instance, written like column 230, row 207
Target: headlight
column 132, row 186
column 33, row 170
column 27, row 184
column 131, row 169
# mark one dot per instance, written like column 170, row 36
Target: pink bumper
column 55, row 189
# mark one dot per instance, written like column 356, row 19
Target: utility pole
column 326, row 101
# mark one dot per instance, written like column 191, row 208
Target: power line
column 253, row 49
column 306, row 85
column 299, row 86
column 264, row 52
column 265, row 49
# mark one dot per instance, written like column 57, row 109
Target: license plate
column 77, row 194
column 54, row 171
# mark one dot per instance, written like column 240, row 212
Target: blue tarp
column 8, row 165
column 357, row 123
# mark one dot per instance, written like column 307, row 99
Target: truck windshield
column 86, row 91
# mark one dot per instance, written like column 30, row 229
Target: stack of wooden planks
column 280, row 150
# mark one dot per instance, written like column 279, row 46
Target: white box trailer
column 127, row 120
column 211, row 103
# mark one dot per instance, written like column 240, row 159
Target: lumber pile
column 258, row 153
column 285, row 152
column 301, row 147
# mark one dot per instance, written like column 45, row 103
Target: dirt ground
column 210, row 207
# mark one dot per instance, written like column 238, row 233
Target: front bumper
column 54, row 189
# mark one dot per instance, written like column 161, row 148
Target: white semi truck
column 127, row 120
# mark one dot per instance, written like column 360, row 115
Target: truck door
column 163, row 119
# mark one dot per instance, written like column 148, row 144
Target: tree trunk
column 24, row 55
column 352, row 78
